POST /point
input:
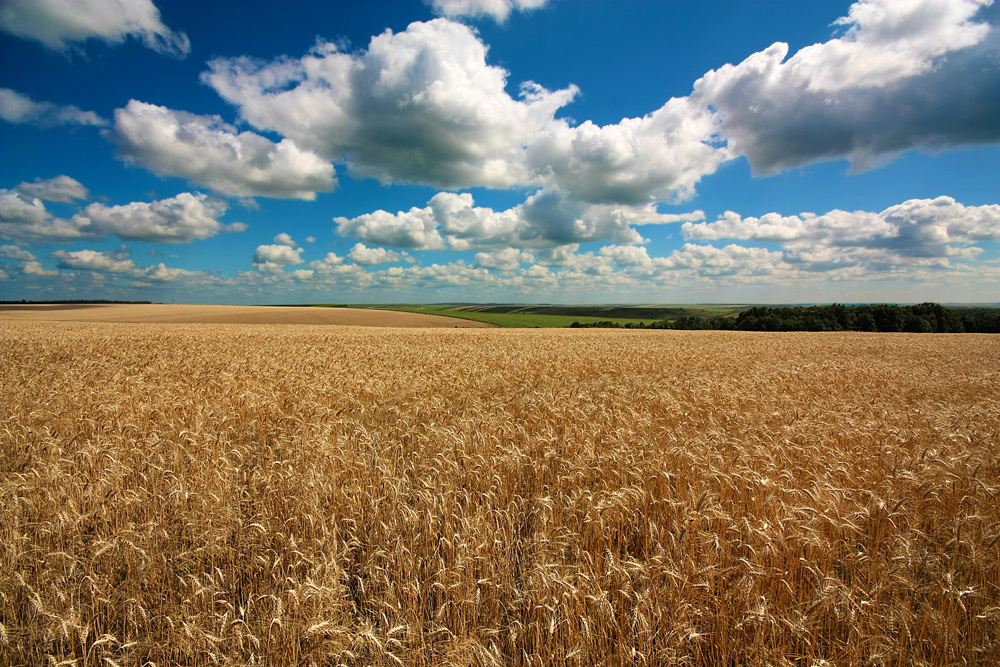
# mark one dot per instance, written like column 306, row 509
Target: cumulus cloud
column 24, row 219
column 62, row 189
column 419, row 106
column 34, row 268
column 285, row 239
column 659, row 157
column 16, row 253
column 162, row 273
column 424, row 106
column 18, row 108
column 362, row 254
column 707, row 260
column 545, row 219
column 58, row 23
column 181, row 219
column 273, row 258
column 331, row 260
column 209, row 152
column 918, row 228
column 508, row 259
column 114, row 261
column 904, row 75
column 499, row 10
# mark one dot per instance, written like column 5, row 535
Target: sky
column 500, row 151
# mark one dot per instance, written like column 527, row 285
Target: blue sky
column 570, row 151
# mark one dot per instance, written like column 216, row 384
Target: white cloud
column 419, row 106
column 327, row 263
column 921, row 73
column 273, row 258
column 659, row 157
column 209, row 152
column 285, row 239
column 423, row 106
column 16, row 253
column 416, row 228
column 303, row 274
column 162, row 273
column 453, row 274
column 497, row 9
column 18, row 108
column 545, row 219
column 91, row 260
column 25, row 219
column 362, row 254
column 731, row 260
column 34, row 268
column 181, row 219
column 58, row 23
column 918, row 228
column 3, row 275
column 508, row 259
column 62, row 189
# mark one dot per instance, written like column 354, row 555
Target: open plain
column 232, row 494
column 196, row 314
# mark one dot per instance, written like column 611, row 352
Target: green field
column 545, row 316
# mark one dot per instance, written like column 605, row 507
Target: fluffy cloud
column 57, row 23
column 659, row 157
column 209, row 152
column 497, row 9
column 423, row 106
column 115, row 261
column 416, row 228
column 16, row 253
column 285, row 239
column 331, row 260
column 918, row 228
column 162, row 273
column 36, row 269
column 545, row 219
column 707, row 260
column 905, row 75
column 25, row 219
column 18, row 108
column 362, row 254
column 273, row 258
column 509, row 259
column 62, row 189
column 181, row 219
column 419, row 106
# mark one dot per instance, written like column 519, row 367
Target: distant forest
column 919, row 318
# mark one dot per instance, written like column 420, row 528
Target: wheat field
column 302, row 495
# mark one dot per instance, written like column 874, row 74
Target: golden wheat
column 230, row 495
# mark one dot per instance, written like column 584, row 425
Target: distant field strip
column 194, row 314
column 312, row 495
column 545, row 317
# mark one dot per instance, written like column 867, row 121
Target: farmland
column 546, row 317
column 228, row 494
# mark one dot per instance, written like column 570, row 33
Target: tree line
column 918, row 318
